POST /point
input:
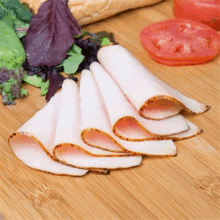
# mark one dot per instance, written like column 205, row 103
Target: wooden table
column 182, row 187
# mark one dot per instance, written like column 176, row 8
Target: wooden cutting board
column 183, row 187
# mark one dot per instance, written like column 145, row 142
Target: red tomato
column 205, row 11
column 180, row 42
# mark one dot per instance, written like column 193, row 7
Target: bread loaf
column 88, row 11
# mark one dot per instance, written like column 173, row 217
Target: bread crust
column 89, row 11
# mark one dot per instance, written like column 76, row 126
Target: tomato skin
column 204, row 11
column 179, row 62
column 180, row 42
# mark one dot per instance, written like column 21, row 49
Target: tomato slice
column 180, row 42
column 205, row 11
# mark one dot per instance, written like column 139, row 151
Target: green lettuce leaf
column 38, row 82
column 24, row 92
column 12, row 54
column 6, row 16
column 21, row 28
column 44, row 87
column 10, row 14
column 74, row 50
column 33, row 80
column 17, row 9
column 105, row 41
column 72, row 63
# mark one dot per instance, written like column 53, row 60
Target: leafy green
column 37, row 81
column 15, row 16
column 44, row 87
column 105, row 41
column 33, row 80
column 75, row 58
column 6, row 99
column 74, row 50
column 12, row 53
column 9, row 20
column 6, row 16
column 72, row 63
column 17, row 9
column 24, row 92
column 7, row 85
column 10, row 85
column 51, row 34
column 21, row 28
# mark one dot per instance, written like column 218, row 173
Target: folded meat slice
column 32, row 141
column 151, row 97
column 69, row 147
column 124, row 127
column 192, row 132
column 32, row 154
column 125, row 120
column 94, row 118
column 97, row 129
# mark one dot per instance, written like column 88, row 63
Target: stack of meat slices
column 120, row 112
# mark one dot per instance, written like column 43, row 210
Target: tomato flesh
column 204, row 11
column 180, row 42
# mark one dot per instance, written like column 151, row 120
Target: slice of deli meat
column 94, row 119
column 77, row 158
column 31, row 143
column 97, row 129
column 192, row 132
column 125, row 120
column 69, row 147
column 31, row 153
column 126, row 128
column 151, row 97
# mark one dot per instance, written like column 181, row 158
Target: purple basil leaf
column 50, row 34
column 56, row 81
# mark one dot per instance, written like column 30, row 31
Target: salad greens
column 21, row 28
column 38, row 82
column 50, row 35
column 15, row 15
column 12, row 53
column 35, row 49
column 6, row 16
column 10, row 85
column 75, row 57
column 18, row 10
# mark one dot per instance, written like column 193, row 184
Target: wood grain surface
column 183, row 187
